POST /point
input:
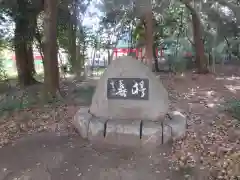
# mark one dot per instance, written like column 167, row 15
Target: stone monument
column 129, row 90
column 130, row 107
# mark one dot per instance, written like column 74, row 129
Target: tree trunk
column 23, row 53
column 31, row 59
column 149, row 38
column 72, row 47
column 200, row 58
column 40, row 44
column 72, row 39
column 78, row 61
column 51, row 70
column 108, row 56
column 155, row 58
column 82, row 55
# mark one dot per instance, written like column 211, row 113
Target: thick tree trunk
column 51, row 70
column 30, row 59
column 72, row 46
column 72, row 39
column 200, row 58
column 23, row 53
column 149, row 38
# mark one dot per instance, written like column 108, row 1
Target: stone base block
column 123, row 132
column 137, row 133
column 81, row 121
column 178, row 124
column 96, row 129
column 152, row 134
column 167, row 134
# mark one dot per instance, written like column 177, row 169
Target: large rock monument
column 129, row 107
column 129, row 90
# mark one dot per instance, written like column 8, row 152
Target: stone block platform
column 137, row 133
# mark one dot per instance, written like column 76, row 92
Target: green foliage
column 17, row 100
column 138, row 32
column 233, row 107
column 180, row 64
column 3, row 73
column 177, row 63
column 10, row 104
column 174, row 22
column 171, row 24
column 222, row 50
column 84, row 95
column 177, row 46
column 63, row 25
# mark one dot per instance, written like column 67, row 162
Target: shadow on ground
column 48, row 156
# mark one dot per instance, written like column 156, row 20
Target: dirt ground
column 41, row 139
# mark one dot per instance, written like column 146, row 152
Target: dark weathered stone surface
column 177, row 123
column 81, row 121
column 96, row 129
column 123, row 132
column 127, row 67
column 151, row 134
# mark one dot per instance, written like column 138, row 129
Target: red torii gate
column 138, row 51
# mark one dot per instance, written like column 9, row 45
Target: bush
column 3, row 73
column 233, row 107
column 177, row 64
column 181, row 65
